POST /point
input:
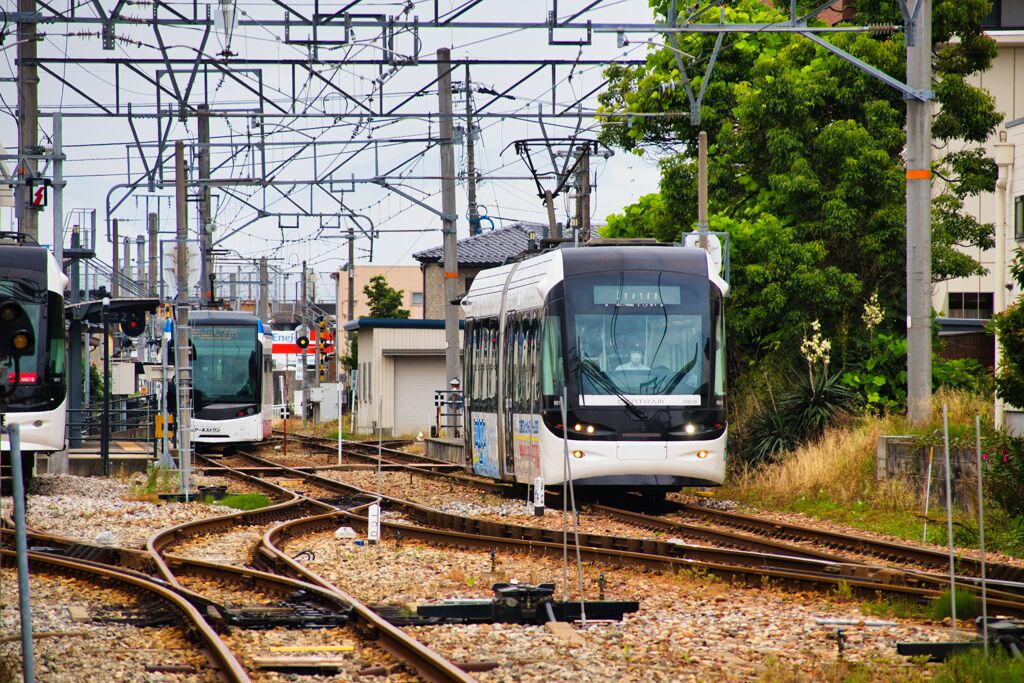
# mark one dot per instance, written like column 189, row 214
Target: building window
column 970, row 305
column 417, row 298
column 1018, row 217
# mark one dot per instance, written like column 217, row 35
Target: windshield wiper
column 601, row 379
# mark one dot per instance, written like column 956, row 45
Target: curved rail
column 221, row 658
column 803, row 572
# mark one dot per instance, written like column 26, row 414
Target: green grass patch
column 975, row 667
column 895, row 609
column 967, row 606
column 244, row 501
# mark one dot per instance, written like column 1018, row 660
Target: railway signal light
column 18, row 338
column 302, row 342
column 133, row 323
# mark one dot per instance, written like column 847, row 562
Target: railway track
column 707, row 525
column 434, row 526
column 221, row 659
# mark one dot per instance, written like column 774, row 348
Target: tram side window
column 533, row 354
column 552, row 376
column 55, row 336
column 720, row 348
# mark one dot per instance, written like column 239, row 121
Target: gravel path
column 88, row 651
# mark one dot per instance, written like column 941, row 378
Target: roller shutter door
column 416, row 379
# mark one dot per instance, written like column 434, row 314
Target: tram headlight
column 578, row 454
column 590, row 429
column 578, row 427
column 702, row 454
column 690, row 428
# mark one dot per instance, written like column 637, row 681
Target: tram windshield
column 226, row 366
column 638, row 335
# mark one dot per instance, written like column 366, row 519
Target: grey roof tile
column 491, row 248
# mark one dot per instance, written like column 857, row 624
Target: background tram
column 33, row 394
column 232, row 386
column 635, row 336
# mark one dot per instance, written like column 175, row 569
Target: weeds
column 243, row 501
column 977, row 668
column 843, row 591
column 967, row 606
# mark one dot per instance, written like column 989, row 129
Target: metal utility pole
column 474, row 216
column 114, row 271
column 28, row 117
column 205, row 225
column 58, row 188
column 453, row 368
column 181, row 221
column 153, row 228
column 702, row 188
column 75, row 360
column 919, row 229
column 264, row 308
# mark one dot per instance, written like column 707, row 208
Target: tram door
column 521, row 456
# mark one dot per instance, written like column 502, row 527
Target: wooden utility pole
column 205, row 210
column 702, row 188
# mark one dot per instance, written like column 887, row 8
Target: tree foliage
column 384, row 300
column 805, row 163
column 1009, row 327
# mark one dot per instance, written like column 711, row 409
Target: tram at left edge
column 33, row 383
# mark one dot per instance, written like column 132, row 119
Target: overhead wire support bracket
column 418, row 202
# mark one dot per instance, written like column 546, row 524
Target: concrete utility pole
column 115, row 262
column 351, row 274
column 28, row 118
column 304, row 328
column 58, row 188
column 471, row 210
column 919, row 227
column 1004, row 160
column 140, row 260
column 205, row 224
column 153, row 226
column 583, row 195
column 453, row 368
column 264, row 308
column 181, row 221
column 702, row 188
column 126, row 264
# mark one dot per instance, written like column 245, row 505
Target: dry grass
column 839, row 466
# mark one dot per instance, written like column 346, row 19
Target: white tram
column 634, row 335
column 33, row 391
column 232, row 380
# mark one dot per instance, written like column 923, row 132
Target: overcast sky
column 100, row 150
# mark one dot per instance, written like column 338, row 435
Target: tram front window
column 226, row 365
column 641, row 333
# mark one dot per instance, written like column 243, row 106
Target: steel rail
column 770, row 529
column 653, row 553
column 196, row 628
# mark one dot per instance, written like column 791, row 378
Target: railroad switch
column 512, row 603
column 297, row 611
column 1005, row 633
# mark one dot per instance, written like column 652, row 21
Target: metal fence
column 906, row 459
column 131, row 420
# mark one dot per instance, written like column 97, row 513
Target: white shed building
column 401, row 364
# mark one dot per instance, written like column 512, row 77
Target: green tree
column 805, row 164
column 1009, row 327
column 384, row 300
